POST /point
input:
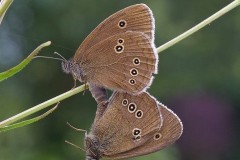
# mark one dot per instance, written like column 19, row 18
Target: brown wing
column 170, row 131
column 128, row 122
column 115, row 65
column 137, row 17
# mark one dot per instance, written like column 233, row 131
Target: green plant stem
column 82, row 87
column 199, row 26
column 4, row 5
column 42, row 106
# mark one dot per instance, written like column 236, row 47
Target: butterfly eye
column 132, row 107
column 120, row 40
column 70, row 65
column 136, row 61
column 122, row 24
column 157, row 136
column 134, row 72
column 125, row 102
column 139, row 114
column 136, row 132
column 132, row 81
column 119, row 48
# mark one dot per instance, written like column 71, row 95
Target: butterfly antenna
column 49, row 57
column 77, row 129
column 60, row 59
column 91, row 152
column 64, row 59
column 74, row 145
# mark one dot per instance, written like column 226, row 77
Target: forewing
column 126, row 66
column 136, row 18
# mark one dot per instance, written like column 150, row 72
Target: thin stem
column 199, row 26
column 83, row 87
column 42, row 106
column 4, row 6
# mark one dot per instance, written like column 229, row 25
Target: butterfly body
column 94, row 151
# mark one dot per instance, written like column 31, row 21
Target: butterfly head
column 70, row 66
column 67, row 66
column 92, row 147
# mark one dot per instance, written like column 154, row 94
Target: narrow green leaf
column 27, row 122
column 199, row 26
column 24, row 63
column 4, row 5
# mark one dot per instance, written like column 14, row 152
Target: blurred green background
column 199, row 78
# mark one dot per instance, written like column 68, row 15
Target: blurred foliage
column 207, row 63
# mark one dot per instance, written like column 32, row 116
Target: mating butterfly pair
column 120, row 55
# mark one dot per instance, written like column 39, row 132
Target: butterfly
column 130, row 126
column 119, row 54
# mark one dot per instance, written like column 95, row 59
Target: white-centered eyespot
column 120, row 41
column 136, row 132
column 122, row 24
column 137, row 138
column 132, row 81
column 119, row 48
column 132, row 107
column 139, row 114
column 124, row 102
column 134, row 72
column 157, row 136
column 136, row 61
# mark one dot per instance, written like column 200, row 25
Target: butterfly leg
column 74, row 83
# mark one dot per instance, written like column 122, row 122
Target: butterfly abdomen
column 98, row 93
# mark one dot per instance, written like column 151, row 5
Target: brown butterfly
column 119, row 54
column 131, row 125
